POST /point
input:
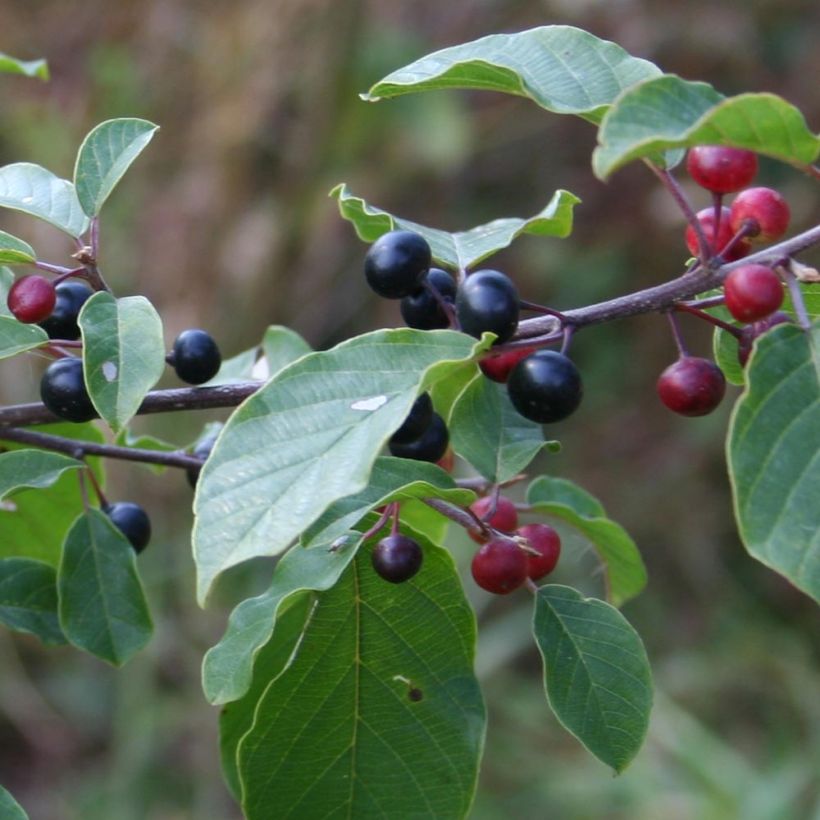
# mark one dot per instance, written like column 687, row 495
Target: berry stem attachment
column 97, row 489
column 61, row 271
column 707, row 317
column 679, row 343
column 566, row 340
column 383, row 519
column 532, row 306
column 717, row 204
column 465, row 518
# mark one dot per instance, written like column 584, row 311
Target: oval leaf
column 625, row 571
column 14, row 251
column 668, row 112
column 596, row 673
column 34, row 190
column 281, row 346
column 105, row 155
column 386, row 671
column 32, row 468
column 102, row 604
column 15, row 337
column 10, row 809
column 309, row 437
column 28, row 68
column 28, row 599
column 774, row 455
column 462, row 249
column 561, row 68
column 123, row 353
column 488, row 431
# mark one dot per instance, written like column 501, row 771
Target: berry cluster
column 423, row 435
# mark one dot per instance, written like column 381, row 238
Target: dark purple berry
column 396, row 263
column 545, row 387
column 430, row 446
column 397, row 558
column 62, row 323
column 195, row 356
column 417, row 421
column 132, row 521
column 421, row 309
column 31, row 299
column 63, row 390
column 488, row 301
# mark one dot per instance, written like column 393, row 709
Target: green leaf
column 28, row 599
column 28, row 68
column 123, row 354
column 35, row 191
column 14, row 251
column 308, row 438
column 145, row 441
column 102, row 604
column 488, row 431
column 596, row 673
column 7, row 278
column 774, row 455
column 281, row 346
column 32, row 468
column 625, row 571
column 15, row 337
column 561, row 68
column 462, row 249
column 668, row 112
column 105, row 155
column 10, row 809
column 392, row 479
column 33, row 523
column 378, row 713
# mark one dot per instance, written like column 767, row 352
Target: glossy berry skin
column 195, row 356
column 62, row 323
column 421, row 309
column 430, row 446
column 706, row 217
column 63, row 391
column 31, row 299
column 547, row 543
column 721, row 169
column 417, row 421
column 691, row 386
column 752, row 292
column 500, row 566
column 397, row 558
column 505, row 517
column 499, row 366
column 488, row 300
column 754, row 331
column 132, row 521
column 396, row 264
column 763, row 210
column 545, row 387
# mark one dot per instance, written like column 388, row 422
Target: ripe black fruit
column 397, row 558
column 132, row 521
column 195, row 356
column 430, row 446
column 545, row 387
column 62, row 323
column 417, row 421
column 488, row 300
column 396, row 263
column 62, row 390
column 422, row 310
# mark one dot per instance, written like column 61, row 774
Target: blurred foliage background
column 225, row 224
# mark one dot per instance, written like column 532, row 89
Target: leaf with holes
column 105, row 155
column 28, row 598
column 773, row 451
column 462, row 249
column 596, row 673
column 123, row 354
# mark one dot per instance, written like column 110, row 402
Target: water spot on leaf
column 373, row 403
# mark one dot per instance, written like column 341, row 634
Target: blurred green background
column 225, row 223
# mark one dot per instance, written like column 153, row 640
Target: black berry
column 421, row 309
column 545, row 387
column 63, row 391
column 195, row 356
column 132, row 521
column 62, row 323
column 397, row 558
column 488, row 301
column 417, row 421
column 430, row 446
column 396, row 263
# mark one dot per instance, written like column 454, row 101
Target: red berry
column 706, row 217
column 500, row 566
column 752, row 292
column 763, row 211
column 547, row 543
column 31, row 299
column 721, row 169
column 498, row 366
column 692, row 386
column 448, row 461
column 505, row 517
